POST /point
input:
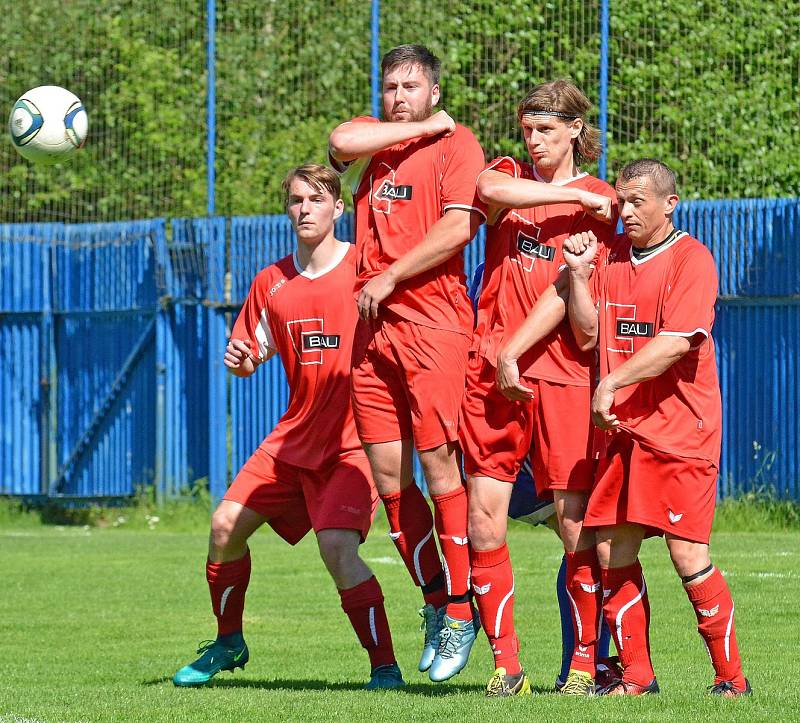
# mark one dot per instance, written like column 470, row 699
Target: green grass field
column 95, row 621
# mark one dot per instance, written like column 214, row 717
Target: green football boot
column 215, row 656
column 385, row 677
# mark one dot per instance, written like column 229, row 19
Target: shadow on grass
column 418, row 689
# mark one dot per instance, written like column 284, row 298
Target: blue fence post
column 165, row 422
column 602, row 167
column 217, row 376
column 159, row 473
column 47, row 370
column 211, row 104
column 375, row 59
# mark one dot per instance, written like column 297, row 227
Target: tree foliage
column 711, row 88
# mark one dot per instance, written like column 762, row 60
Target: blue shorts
column 525, row 505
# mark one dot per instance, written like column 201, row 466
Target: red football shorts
column 495, row 432
column 660, row 491
column 561, row 452
column 407, row 381
column 295, row 500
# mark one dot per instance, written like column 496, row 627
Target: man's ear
column 670, row 202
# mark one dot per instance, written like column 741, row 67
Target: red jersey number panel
column 399, row 194
column 524, row 256
column 310, row 322
column 671, row 292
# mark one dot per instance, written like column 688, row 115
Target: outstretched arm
column 356, row 140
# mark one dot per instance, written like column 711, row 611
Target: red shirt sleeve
column 504, row 164
column 463, row 164
column 252, row 325
column 688, row 308
column 339, row 166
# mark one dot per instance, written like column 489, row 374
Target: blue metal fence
column 112, row 336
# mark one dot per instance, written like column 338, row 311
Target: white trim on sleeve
column 463, row 207
column 687, row 335
column 496, row 162
column 266, row 342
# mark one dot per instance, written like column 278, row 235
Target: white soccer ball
column 48, row 124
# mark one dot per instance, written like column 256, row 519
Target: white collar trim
column 638, row 262
column 345, row 247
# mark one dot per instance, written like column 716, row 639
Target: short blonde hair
column 315, row 175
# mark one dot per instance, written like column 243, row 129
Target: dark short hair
column 563, row 99
column 315, row 175
column 413, row 55
column 662, row 178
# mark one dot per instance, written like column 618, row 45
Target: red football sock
column 627, row 611
column 493, row 584
column 411, row 530
column 450, row 515
column 713, row 606
column 586, row 602
column 363, row 604
column 227, row 583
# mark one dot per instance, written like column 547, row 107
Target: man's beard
column 421, row 115
column 424, row 114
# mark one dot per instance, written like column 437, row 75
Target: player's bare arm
column 545, row 316
column 651, row 361
column 356, row 140
column 500, row 191
column 239, row 360
column 579, row 252
column 444, row 239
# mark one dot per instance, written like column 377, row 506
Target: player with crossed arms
column 310, row 472
column 649, row 308
column 413, row 179
column 533, row 205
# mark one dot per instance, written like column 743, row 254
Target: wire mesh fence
column 709, row 87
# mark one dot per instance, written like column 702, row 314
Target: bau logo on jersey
column 530, row 246
column 384, row 191
column 313, row 340
column 634, row 328
column 394, row 193
column 310, row 340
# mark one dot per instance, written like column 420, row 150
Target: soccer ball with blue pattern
column 48, row 124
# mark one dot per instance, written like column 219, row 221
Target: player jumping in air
column 649, row 308
column 413, row 178
column 310, row 472
column 532, row 207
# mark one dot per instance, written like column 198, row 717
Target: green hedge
column 710, row 88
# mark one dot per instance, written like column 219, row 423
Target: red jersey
column 524, row 256
column 399, row 193
column 310, row 322
column 672, row 291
